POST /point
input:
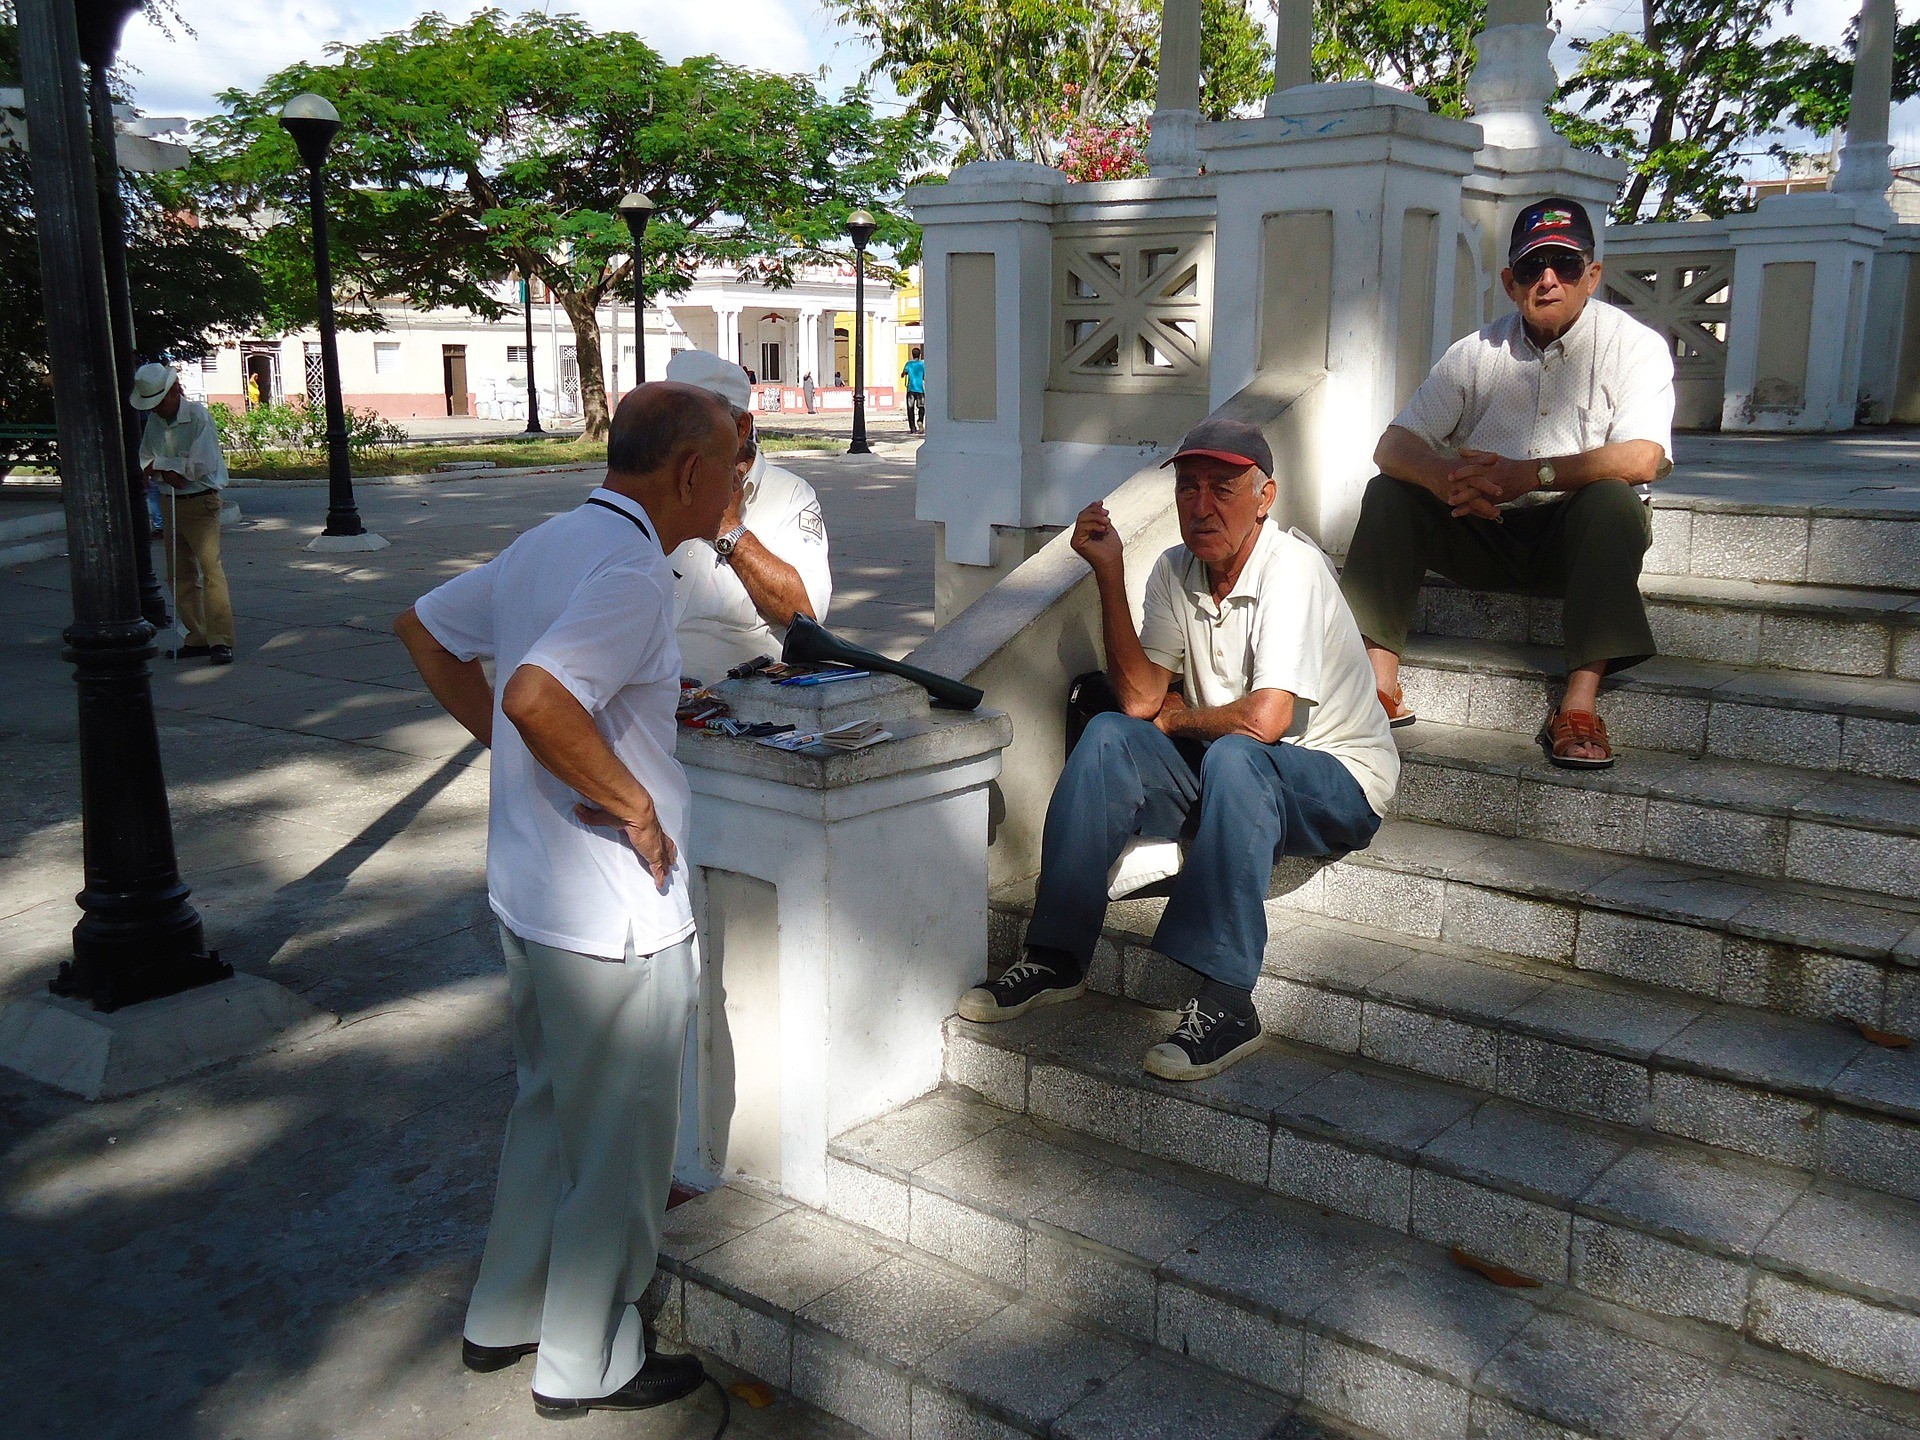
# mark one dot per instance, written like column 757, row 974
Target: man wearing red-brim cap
column 1514, row 468
column 1274, row 745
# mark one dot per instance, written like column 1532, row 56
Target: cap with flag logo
column 1553, row 221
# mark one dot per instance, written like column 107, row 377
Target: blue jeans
column 1243, row 804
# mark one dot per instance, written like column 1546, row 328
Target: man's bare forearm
column 774, row 586
column 459, row 685
column 1637, row 462
column 561, row 735
column 1403, row 455
column 1138, row 683
column 1264, row 716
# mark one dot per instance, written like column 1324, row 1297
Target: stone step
column 1824, row 1271
column 1771, row 821
column 1812, row 1096
column 1692, row 707
column 1824, row 629
column 1799, row 949
column 904, row 1344
column 1794, row 544
column 1368, row 1324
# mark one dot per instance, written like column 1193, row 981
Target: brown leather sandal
column 1569, row 728
column 1394, row 703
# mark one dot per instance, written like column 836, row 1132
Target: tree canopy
column 1020, row 78
column 1425, row 46
column 477, row 151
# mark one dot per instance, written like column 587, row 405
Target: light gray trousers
column 587, row 1162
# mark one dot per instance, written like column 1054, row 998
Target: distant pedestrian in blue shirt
column 915, row 374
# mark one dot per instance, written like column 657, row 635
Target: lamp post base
column 365, row 540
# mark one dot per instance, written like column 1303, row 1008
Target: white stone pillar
column 1171, row 146
column 1866, row 162
column 1513, row 79
column 809, row 341
column 726, row 341
column 1803, row 267
column 845, row 909
column 1292, row 48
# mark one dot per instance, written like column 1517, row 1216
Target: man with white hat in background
column 734, row 598
column 180, row 453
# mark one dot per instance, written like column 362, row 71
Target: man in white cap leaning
column 180, row 453
column 734, row 598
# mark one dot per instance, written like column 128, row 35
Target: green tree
column 474, row 152
column 1020, row 76
column 1687, row 97
column 1425, row 46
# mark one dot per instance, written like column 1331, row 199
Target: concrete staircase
column 1615, row 1032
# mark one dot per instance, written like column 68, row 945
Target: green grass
column 506, row 454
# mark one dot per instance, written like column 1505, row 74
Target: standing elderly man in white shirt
column 735, row 594
column 587, row 875
column 1513, row 468
column 180, row 453
column 1275, row 746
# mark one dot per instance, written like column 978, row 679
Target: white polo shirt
column 712, row 613
column 1608, row 379
column 587, row 597
column 188, row 446
column 1284, row 626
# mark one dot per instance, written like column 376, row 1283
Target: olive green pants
column 1584, row 550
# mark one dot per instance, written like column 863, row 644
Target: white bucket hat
column 710, row 372
column 150, row 385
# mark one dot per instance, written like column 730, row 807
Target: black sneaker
column 1026, row 985
column 1204, row 1043
column 662, row 1380
column 220, row 654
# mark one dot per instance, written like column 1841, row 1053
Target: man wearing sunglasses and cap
column 1521, row 465
column 1275, row 745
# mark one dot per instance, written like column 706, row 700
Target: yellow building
column 909, row 321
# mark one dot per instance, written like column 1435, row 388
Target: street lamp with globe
column 860, row 228
column 312, row 122
column 636, row 208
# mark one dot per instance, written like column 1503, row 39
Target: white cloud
column 237, row 46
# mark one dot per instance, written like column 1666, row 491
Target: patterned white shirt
column 187, row 446
column 1608, row 379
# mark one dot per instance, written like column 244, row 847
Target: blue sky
column 237, row 44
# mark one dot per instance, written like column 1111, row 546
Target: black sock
column 1232, row 999
column 1058, row 961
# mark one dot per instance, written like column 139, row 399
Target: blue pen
column 824, row 677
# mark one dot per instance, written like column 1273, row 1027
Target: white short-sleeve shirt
column 1284, row 626
column 1607, row 380
column 587, row 597
column 714, row 617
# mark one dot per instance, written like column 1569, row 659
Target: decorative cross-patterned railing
column 1132, row 307
column 1686, row 295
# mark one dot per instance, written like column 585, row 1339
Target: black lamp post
column 860, row 228
column 100, row 23
column 138, row 938
column 637, row 209
column 533, row 395
column 312, row 121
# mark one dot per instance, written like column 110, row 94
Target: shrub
column 293, row 427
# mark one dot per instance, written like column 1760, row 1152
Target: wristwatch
column 1545, row 475
column 723, row 547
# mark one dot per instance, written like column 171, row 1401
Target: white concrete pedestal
column 1802, row 268
column 843, row 908
column 330, row 544
column 73, row 1047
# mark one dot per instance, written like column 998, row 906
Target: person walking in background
column 180, row 456
column 587, row 873
column 914, row 372
column 807, row 390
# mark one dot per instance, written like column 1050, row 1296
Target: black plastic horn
column 811, row 643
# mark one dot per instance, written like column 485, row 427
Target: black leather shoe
column 190, row 652
column 661, row 1381
column 220, row 654
column 488, row 1358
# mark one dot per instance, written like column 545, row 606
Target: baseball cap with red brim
column 1554, row 221
column 1232, row 441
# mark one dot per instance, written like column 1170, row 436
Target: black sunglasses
column 1569, row 265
